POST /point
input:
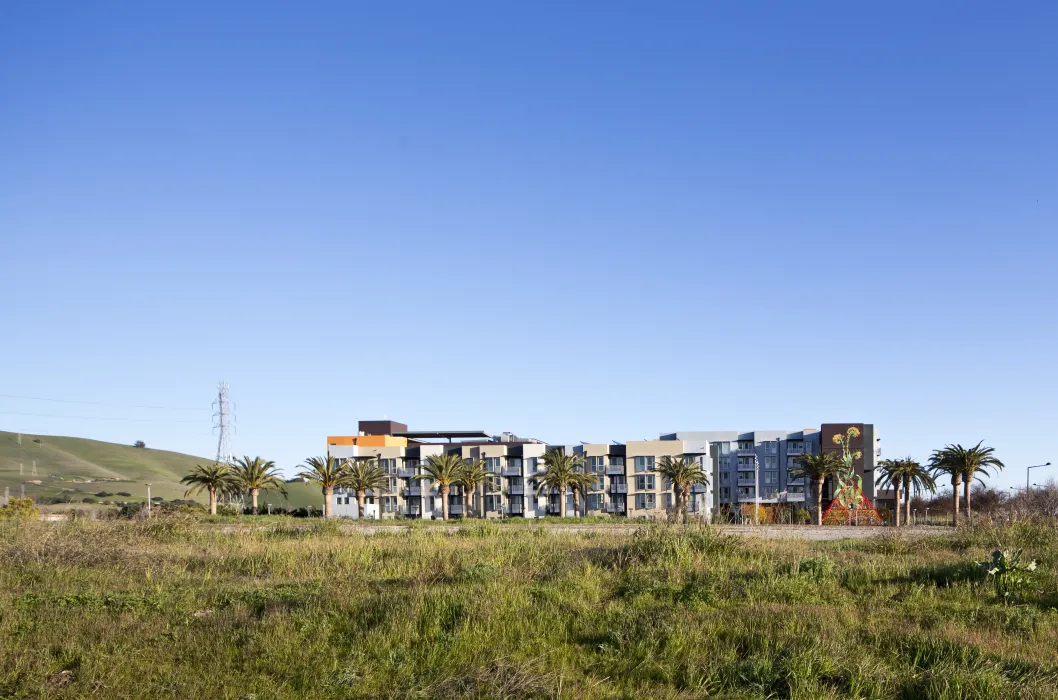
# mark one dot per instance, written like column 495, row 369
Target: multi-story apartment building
column 744, row 467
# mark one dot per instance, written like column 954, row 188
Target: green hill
column 76, row 468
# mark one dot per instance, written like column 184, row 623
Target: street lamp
column 1027, row 469
column 148, row 499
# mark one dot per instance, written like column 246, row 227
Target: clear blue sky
column 576, row 223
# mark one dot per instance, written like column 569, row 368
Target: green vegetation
column 71, row 469
column 561, row 471
column 175, row 607
column 683, row 473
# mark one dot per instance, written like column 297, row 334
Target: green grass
column 180, row 608
column 64, row 464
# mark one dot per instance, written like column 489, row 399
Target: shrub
column 104, row 494
column 1009, row 572
column 140, row 444
column 818, row 568
column 88, row 499
column 19, row 509
column 125, row 494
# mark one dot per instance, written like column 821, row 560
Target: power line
column 127, row 420
column 100, row 403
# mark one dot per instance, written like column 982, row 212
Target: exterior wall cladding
column 743, row 467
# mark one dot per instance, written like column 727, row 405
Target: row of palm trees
column 244, row 476
column 562, row 471
column 962, row 465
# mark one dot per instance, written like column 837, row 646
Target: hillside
column 77, row 467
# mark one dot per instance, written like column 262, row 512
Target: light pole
column 1027, row 469
column 148, row 499
column 927, row 516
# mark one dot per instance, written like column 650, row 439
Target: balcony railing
column 413, row 491
column 618, row 488
column 698, row 488
column 615, row 507
column 512, row 471
column 516, row 490
column 455, row 509
column 746, row 451
column 405, row 473
column 743, row 481
column 795, row 497
column 796, row 482
column 615, row 469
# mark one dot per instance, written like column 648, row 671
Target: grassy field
column 182, row 609
column 78, row 468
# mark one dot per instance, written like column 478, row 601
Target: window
column 666, row 483
column 645, row 482
column 771, row 477
column 531, row 463
column 617, row 461
column 597, row 485
column 746, row 462
column 668, row 501
column 493, row 503
column 596, row 464
column 725, row 492
column 492, row 464
column 792, row 463
column 644, row 464
column 771, row 462
column 492, row 483
column 771, row 448
column 392, row 484
column 595, row 501
column 514, row 463
column 411, row 463
column 725, row 448
column 745, row 444
column 388, row 465
column 645, row 501
column 745, row 492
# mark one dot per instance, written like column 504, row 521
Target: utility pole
column 34, row 467
column 148, row 500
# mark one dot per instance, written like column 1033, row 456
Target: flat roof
column 450, row 434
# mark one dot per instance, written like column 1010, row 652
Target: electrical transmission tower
column 223, row 423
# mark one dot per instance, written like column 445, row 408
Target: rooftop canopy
column 442, row 434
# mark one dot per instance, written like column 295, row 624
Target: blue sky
column 576, row 223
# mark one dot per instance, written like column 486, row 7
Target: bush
column 140, row 444
column 104, row 494
column 124, row 494
column 19, row 509
column 88, row 499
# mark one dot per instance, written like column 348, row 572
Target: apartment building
column 744, row 467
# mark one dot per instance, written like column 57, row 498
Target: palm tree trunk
column 682, row 504
column 562, row 503
column 907, row 501
column 360, row 496
column 576, row 503
column 443, row 492
column 213, row 501
column 253, row 499
column 328, row 496
column 819, row 502
column 955, row 501
column 966, row 495
column 897, row 487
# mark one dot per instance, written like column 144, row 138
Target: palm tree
column 562, row 471
column 916, row 479
column 817, row 468
column 472, row 475
column 215, row 478
column 329, row 474
column 903, row 475
column 364, row 476
column 964, row 465
column 445, row 470
column 683, row 473
column 256, row 474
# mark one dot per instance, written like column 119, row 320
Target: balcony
column 698, row 488
column 618, row 488
column 746, row 451
column 405, row 473
column 411, row 511
column 746, row 481
column 794, row 451
column 615, row 469
column 413, row 491
column 796, row 482
column 513, row 509
column 615, row 507
column 795, row 498
column 512, row 471
column 516, row 490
